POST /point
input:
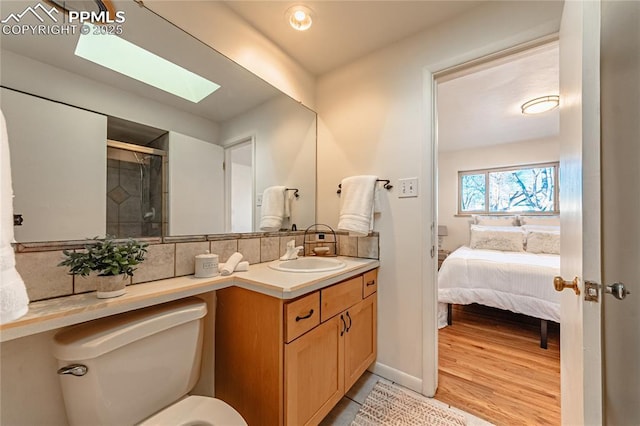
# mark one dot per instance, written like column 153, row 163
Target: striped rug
column 391, row 405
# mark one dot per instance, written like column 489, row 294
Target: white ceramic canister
column 206, row 265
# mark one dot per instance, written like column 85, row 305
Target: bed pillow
column 501, row 238
column 540, row 220
column 495, row 220
column 543, row 228
column 545, row 242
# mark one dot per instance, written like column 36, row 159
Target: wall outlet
column 259, row 200
column 408, row 187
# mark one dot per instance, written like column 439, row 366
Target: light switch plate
column 408, row 187
column 259, row 200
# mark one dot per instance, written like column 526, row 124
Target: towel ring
column 295, row 191
column 387, row 185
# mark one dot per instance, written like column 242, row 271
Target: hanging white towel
column 273, row 208
column 14, row 301
column 356, row 205
column 288, row 196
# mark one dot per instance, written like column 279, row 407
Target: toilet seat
column 196, row 411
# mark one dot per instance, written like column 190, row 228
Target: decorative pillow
column 497, row 238
column 543, row 228
column 540, row 220
column 543, row 242
column 495, row 220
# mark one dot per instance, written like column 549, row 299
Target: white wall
column 374, row 119
column 27, row 75
column 221, row 28
column 450, row 162
column 285, row 135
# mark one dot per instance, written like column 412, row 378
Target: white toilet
column 137, row 368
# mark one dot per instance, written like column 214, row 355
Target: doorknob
column 617, row 290
column 561, row 284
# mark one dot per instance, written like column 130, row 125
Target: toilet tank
column 137, row 363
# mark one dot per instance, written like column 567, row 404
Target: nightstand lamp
column 442, row 232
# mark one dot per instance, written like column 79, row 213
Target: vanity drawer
column 339, row 297
column 370, row 283
column 301, row 316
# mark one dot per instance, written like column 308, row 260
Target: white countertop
column 63, row 311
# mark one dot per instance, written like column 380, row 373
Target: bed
column 519, row 281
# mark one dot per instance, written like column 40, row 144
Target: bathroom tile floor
column 345, row 411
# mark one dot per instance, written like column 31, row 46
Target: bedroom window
column 516, row 189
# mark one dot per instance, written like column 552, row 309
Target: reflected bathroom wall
column 134, row 193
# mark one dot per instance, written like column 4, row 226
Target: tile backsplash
column 167, row 257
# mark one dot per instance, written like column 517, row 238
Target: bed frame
column 543, row 326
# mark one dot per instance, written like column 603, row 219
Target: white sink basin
column 307, row 264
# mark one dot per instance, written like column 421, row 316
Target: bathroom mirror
column 63, row 108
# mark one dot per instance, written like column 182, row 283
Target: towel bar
column 387, row 185
column 295, row 193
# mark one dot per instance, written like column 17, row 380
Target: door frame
column 429, row 173
column 228, row 146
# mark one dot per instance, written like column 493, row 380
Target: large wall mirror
column 95, row 152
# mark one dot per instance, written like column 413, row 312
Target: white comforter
column 518, row 282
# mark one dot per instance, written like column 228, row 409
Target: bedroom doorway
column 495, row 169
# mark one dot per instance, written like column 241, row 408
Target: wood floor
column 492, row 366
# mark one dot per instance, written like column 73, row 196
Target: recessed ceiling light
column 124, row 57
column 299, row 17
column 541, row 104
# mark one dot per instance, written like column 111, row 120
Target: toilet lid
column 197, row 411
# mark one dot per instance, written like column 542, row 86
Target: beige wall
column 374, row 118
column 450, row 162
column 285, row 135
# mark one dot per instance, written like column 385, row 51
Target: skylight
column 135, row 62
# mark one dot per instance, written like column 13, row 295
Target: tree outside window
column 517, row 189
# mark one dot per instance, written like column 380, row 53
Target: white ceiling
column 481, row 107
column 344, row 30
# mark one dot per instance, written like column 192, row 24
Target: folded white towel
column 231, row 264
column 356, row 205
column 240, row 267
column 14, row 301
column 273, row 208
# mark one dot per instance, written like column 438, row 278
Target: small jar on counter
column 206, row 265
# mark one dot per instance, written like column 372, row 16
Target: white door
column 239, row 178
column 620, row 97
column 580, row 328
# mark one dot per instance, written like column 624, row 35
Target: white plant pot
column 111, row 286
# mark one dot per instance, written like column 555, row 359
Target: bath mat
column 390, row 405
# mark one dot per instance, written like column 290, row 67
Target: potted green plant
column 113, row 261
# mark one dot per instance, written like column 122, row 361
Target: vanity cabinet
column 282, row 362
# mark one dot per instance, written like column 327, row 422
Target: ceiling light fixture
column 541, row 104
column 299, row 17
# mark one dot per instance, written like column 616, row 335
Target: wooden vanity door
column 360, row 339
column 314, row 373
